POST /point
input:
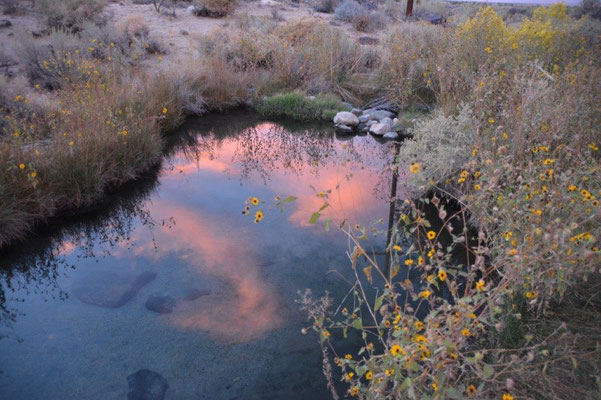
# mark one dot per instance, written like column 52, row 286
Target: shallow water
column 241, row 339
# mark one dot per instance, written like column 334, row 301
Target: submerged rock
column 160, row 304
column 146, row 385
column 344, row 129
column 110, row 289
column 346, row 118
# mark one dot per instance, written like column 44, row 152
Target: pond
column 169, row 276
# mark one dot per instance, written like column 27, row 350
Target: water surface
column 241, row 338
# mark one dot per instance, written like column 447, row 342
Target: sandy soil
column 177, row 35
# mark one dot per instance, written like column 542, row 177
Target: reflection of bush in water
column 36, row 263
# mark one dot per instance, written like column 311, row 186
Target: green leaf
column 378, row 303
column 453, row 393
column 487, row 371
column 357, row 324
column 288, row 199
column 314, row 217
column 324, row 206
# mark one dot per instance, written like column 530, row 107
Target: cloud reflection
column 247, row 307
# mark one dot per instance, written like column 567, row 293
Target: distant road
column 522, row 2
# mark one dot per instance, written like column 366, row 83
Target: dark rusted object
column 409, row 10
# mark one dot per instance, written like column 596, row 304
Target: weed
column 298, row 106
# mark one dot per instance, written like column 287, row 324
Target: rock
column 160, row 304
column 391, row 135
column 345, row 129
column 401, row 126
column 110, row 289
column 191, row 9
column 368, row 40
column 146, row 385
column 346, row 118
column 356, row 111
column 380, row 129
column 193, row 293
column 40, row 33
column 364, row 118
column 433, row 18
column 184, row 32
column 387, row 121
column 381, row 114
column 347, row 106
column 370, row 123
column 269, row 3
column 4, row 23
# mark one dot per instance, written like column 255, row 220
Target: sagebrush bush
column 442, row 144
column 348, row 10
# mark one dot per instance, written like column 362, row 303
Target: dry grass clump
column 299, row 54
column 66, row 160
column 412, row 53
column 70, row 13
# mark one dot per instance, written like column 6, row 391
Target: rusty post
column 409, row 10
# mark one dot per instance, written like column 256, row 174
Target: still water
column 170, row 276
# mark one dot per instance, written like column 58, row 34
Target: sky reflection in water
column 188, row 227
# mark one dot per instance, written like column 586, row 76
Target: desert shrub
column 69, row 13
column 297, row 54
column 510, row 180
column 214, row 8
column 412, row 54
column 50, row 65
column 362, row 19
column 134, row 27
column 442, row 143
column 590, row 8
column 296, row 105
column 348, row 10
column 369, row 21
column 9, row 6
